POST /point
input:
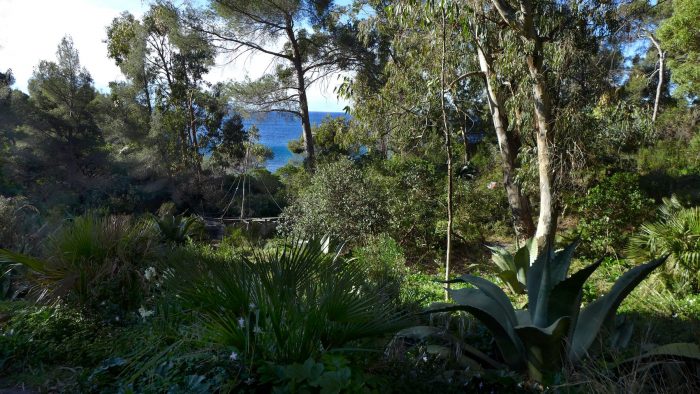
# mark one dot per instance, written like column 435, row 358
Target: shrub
column 283, row 306
column 384, row 262
column 340, row 201
column 93, row 262
column 609, row 209
column 18, row 220
column 677, row 234
column 45, row 335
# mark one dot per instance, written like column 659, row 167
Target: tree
column 167, row 61
column 63, row 92
column 306, row 54
column 680, row 36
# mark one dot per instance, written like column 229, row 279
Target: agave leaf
column 522, row 261
column 598, row 312
column 419, row 332
column 492, row 291
column 562, row 261
column 565, row 298
column 544, row 346
column 534, row 281
column 679, row 350
column 502, row 258
column 489, row 313
column 510, row 279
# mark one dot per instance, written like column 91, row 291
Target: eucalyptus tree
column 295, row 34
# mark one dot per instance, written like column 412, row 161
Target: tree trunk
column 523, row 23
column 547, row 223
column 508, row 148
column 660, row 84
column 448, row 148
column 303, row 101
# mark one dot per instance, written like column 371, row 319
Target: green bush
column 282, row 306
column 46, row 335
column 677, row 234
column 98, row 263
column 609, row 211
column 385, row 264
column 340, row 201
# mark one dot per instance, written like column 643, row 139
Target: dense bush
column 340, row 201
column 385, row 265
column 609, row 211
column 98, row 263
column 285, row 305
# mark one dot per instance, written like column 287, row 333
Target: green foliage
column 93, row 262
column 675, row 157
column 45, row 335
column 513, row 267
column 385, row 265
column 679, row 36
column 676, row 234
column 554, row 327
column 608, row 210
column 284, row 305
column 332, row 375
column 178, row 229
column 342, row 201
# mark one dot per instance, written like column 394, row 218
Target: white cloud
column 30, row 31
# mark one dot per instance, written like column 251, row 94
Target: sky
column 30, row 31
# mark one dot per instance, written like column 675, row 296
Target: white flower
column 249, row 381
column 144, row 313
column 241, row 322
column 150, row 273
column 252, row 305
column 492, row 185
column 233, row 356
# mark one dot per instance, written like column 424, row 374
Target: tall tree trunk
column 547, row 223
column 303, row 101
column 508, row 148
column 660, row 84
column 523, row 23
column 448, row 148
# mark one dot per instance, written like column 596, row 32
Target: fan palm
column 284, row 305
column 677, row 234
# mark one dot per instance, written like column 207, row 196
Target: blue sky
column 30, row 30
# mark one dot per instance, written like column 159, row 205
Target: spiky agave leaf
column 592, row 318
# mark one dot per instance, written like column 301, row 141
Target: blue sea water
column 276, row 129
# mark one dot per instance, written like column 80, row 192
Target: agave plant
column 554, row 328
column 513, row 267
column 284, row 305
column 677, row 234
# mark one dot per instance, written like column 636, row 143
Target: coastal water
column 276, row 129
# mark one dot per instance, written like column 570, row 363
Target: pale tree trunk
column 547, row 222
column 523, row 23
column 508, row 148
column 660, row 84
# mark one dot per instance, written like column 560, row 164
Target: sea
column 277, row 129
